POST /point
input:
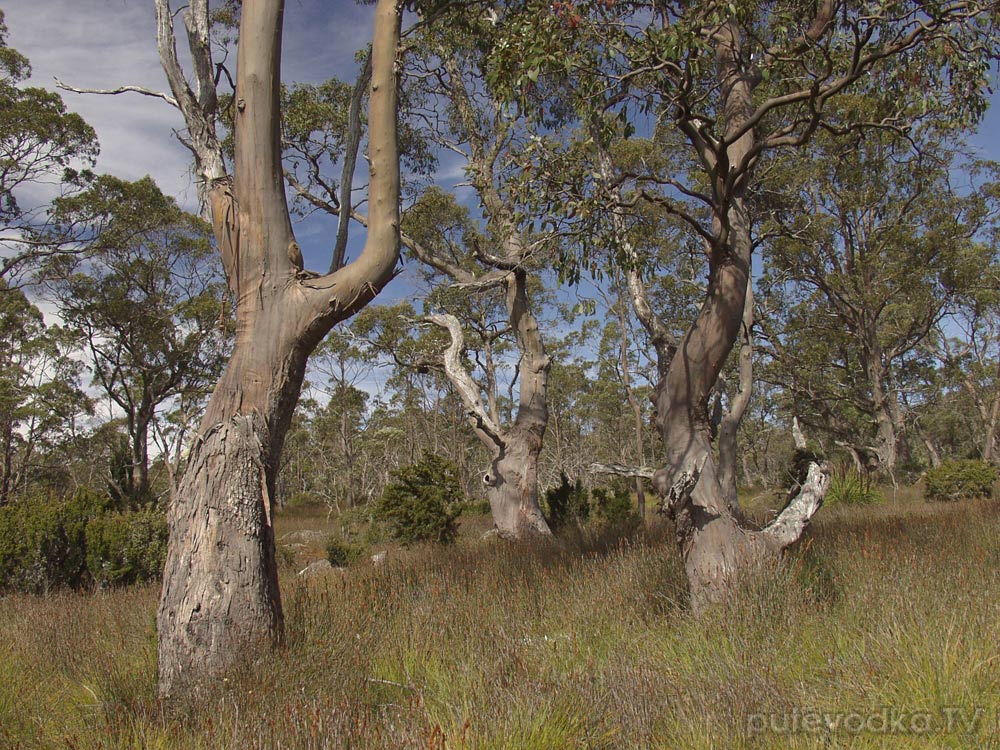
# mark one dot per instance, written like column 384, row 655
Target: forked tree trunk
column 715, row 546
column 512, row 482
column 220, row 596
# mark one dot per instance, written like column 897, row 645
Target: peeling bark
column 220, row 592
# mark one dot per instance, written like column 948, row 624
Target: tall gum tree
column 874, row 246
column 220, row 588
column 731, row 82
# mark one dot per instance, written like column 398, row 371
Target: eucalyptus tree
column 143, row 295
column 42, row 148
column 40, row 394
column 869, row 247
column 730, row 83
column 967, row 346
column 464, row 118
column 220, row 589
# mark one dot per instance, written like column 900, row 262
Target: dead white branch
column 467, row 389
column 120, row 90
column 792, row 522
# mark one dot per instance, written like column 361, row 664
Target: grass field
column 880, row 631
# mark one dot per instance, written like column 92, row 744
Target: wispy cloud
column 103, row 44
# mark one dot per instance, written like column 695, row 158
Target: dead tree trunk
column 220, row 589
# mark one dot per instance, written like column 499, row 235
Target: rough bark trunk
column 220, row 593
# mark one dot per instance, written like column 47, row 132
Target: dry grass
column 887, row 610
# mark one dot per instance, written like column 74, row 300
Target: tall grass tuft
column 585, row 644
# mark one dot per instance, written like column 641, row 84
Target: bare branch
column 467, row 389
column 621, row 470
column 120, row 90
column 352, row 143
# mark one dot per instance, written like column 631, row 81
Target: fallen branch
column 622, row 470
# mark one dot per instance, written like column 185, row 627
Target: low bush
column 566, row 503
column 48, row 543
column 342, row 553
column 614, row 506
column 957, row 480
column 422, row 502
column 125, row 548
column 43, row 541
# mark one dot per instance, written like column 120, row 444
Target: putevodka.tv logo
column 885, row 720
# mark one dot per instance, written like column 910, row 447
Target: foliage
column 869, row 246
column 852, row 488
column 341, row 552
column 40, row 395
column 422, row 502
column 125, row 548
column 43, row 541
column 48, row 543
column 143, row 293
column 40, row 142
column 566, row 503
column 956, row 480
column 614, row 506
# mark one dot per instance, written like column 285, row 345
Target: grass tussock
column 880, row 631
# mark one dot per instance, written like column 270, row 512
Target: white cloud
column 104, row 44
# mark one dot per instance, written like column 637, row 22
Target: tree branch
column 120, row 90
column 467, row 389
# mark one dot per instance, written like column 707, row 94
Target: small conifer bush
column 957, row 480
column 422, row 502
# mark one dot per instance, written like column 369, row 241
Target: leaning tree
column 220, row 588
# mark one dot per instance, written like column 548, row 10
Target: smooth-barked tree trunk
column 715, row 545
column 220, row 597
column 738, row 403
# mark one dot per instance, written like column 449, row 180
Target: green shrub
column 850, row 488
column 615, row 506
column 566, row 502
column 43, row 541
column 125, row 548
column 955, row 480
column 342, row 553
column 422, row 502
